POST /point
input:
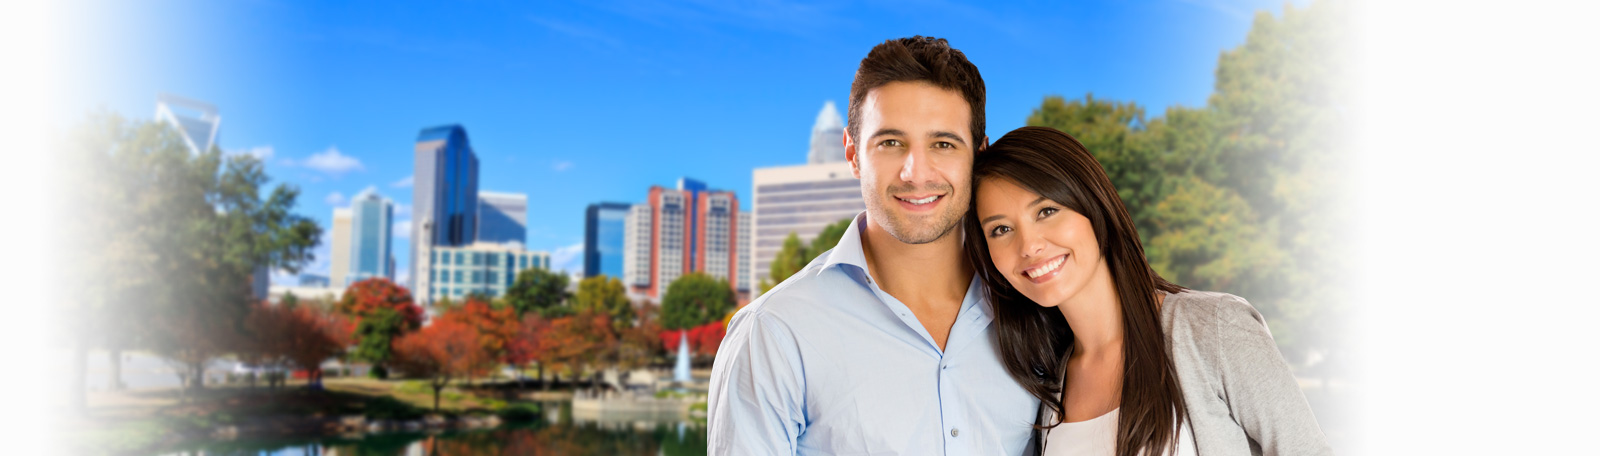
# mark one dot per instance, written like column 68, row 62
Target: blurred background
column 493, row 227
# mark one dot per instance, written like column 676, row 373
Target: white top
column 1098, row 437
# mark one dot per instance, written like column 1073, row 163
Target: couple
column 991, row 301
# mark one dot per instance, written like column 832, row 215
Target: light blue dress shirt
column 827, row 363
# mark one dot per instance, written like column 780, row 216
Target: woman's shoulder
column 1211, row 312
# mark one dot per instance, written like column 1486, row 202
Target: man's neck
column 920, row 275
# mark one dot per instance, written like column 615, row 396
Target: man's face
column 914, row 159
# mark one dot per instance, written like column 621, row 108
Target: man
column 882, row 345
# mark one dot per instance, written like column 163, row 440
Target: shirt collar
column 849, row 252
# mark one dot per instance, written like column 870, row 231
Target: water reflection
column 558, row 434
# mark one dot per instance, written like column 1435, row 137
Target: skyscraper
column 827, row 137
column 801, row 200
column 444, row 194
column 679, row 231
column 197, row 121
column 371, row 235
column 340, row 269
column 603, row 233
column 502, row 217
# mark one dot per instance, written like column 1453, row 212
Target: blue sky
column 579, row 103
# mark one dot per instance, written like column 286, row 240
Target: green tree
column 538, row 290
column 695, row 299
column 375, row 335
column 1240, row 195
column 607, row 295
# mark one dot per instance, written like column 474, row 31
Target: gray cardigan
column 1242, row 400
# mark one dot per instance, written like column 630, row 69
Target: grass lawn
column 134, row 422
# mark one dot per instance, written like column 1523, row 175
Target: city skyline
column 331, row 98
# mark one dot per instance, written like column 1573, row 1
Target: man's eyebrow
column 887, row 132
column 948, row 135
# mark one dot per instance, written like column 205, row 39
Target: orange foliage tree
column 495, row 328
column 528, row 344
column 366, row 297
column 578, row 342
column 445, row 350
column 300, row 336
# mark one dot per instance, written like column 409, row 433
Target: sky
column 575, row 103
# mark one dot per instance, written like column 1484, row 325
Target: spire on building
column 827, row 136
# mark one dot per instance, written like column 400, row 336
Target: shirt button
column 955, row 432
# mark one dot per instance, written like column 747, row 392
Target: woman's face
column 1046, row 251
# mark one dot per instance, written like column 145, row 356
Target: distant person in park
column 1123, row 361
column 882, row 345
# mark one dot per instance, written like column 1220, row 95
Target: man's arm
column 756, row 404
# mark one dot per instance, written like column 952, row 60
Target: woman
column 1123, row 361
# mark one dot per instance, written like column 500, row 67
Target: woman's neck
column 1095, row 316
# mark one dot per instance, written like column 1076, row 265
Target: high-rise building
column 444, row 196
column 340, row 248
column 604, row 228
column 371, row 238
column 637, row 247
column 679, row 231
column 827, row 137
column 483, row 268
column 801, row 200
column 743, row 284
column 502, row 217
column 197, row 121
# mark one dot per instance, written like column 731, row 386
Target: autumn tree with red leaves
column 578, row 342
column 301, row 336
column 445, row 350
column 528, row 344
column 494, row 327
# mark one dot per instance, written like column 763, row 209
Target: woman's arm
column 1261, row 392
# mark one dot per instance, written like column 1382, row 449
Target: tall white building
column 340, row 243
column 827, row 137
column 371, row 238
column 801, row 200
column 636, row 246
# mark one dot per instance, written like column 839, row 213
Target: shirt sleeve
column 756, row 404
column 1262, row 394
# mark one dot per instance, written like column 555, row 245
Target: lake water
column 559, row 433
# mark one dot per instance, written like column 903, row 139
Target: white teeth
column 921, row 201
column 1046, row 269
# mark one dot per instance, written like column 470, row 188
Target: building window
column 458, row 277
column 477, row 258
column 460, row 258
column 476, row 277
column 494, row 277
column 433, row 257
column 494, row 259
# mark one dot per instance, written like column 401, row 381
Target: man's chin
column 916, row 229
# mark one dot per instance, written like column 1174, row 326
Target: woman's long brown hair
column 1033, row 340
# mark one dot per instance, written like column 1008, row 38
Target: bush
column 378, row 372
column 389, row 408
column 519, row 412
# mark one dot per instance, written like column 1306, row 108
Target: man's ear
column 850, row 155
column 985, row 144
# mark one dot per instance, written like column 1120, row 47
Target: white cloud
column 262, row 153
column 402, row 210
column 569, row 258
column 332, row 162
column 562, row 165
column 335, row 199
column 403, row 183
column 402, row 229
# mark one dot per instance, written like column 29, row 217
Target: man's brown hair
column 918, row 58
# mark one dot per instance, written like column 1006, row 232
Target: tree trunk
column 542, row 381
column 116, row 370
column 436, row 388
